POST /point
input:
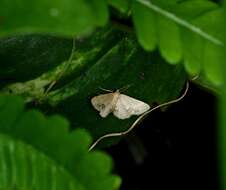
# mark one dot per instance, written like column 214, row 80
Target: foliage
column 57, row 17
column 41, row 152
column 199, row 21
column 94, row 60
column 25, row 53
column 57, row 54
column 201, row 25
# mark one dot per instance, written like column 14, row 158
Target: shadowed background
column 175, row 149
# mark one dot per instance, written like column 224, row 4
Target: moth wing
column 127, row 106
column 103, row 103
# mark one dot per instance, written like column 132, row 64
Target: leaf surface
column 40, row 152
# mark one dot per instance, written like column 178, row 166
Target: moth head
column 124, row 88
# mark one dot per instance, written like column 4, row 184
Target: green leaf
column 96, row 165
column 213, row 60
column 100, row 11
column 64, row 18
column 189, row 9
column 169, row 46
column 145, row 27
column 26, row 57
column 9, row 110
column 23, row 167
column 213, row 54
column 177, row 23
column 48, row 136
column 121, row 5
column 193, row 52
column 85, row 53
column 211, row 22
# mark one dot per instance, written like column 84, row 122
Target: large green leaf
column 49, row 136
column 84, row 53
column 64, row 18
column 28, row 56
column 146, row 29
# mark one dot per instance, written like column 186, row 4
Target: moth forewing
column 105, row 103
column 100, row 102
column 128, row 106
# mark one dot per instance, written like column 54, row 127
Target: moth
column 122, row 106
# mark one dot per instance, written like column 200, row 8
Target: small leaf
column 144, row 22
column 213, row 61
column 193, row 48
column 100, row 11
column 169, row 40
column 192, row 9
column 212, row 22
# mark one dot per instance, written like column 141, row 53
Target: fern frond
column 196, row 40
column 48, row 136
column 23, row 167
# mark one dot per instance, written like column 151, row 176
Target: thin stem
column 63, row 70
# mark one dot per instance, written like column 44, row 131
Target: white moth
column 121, row 105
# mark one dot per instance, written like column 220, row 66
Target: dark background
column 174, row 149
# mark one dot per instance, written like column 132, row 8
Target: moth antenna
column 139, row 119
column 106, row 90
column 124, row 88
